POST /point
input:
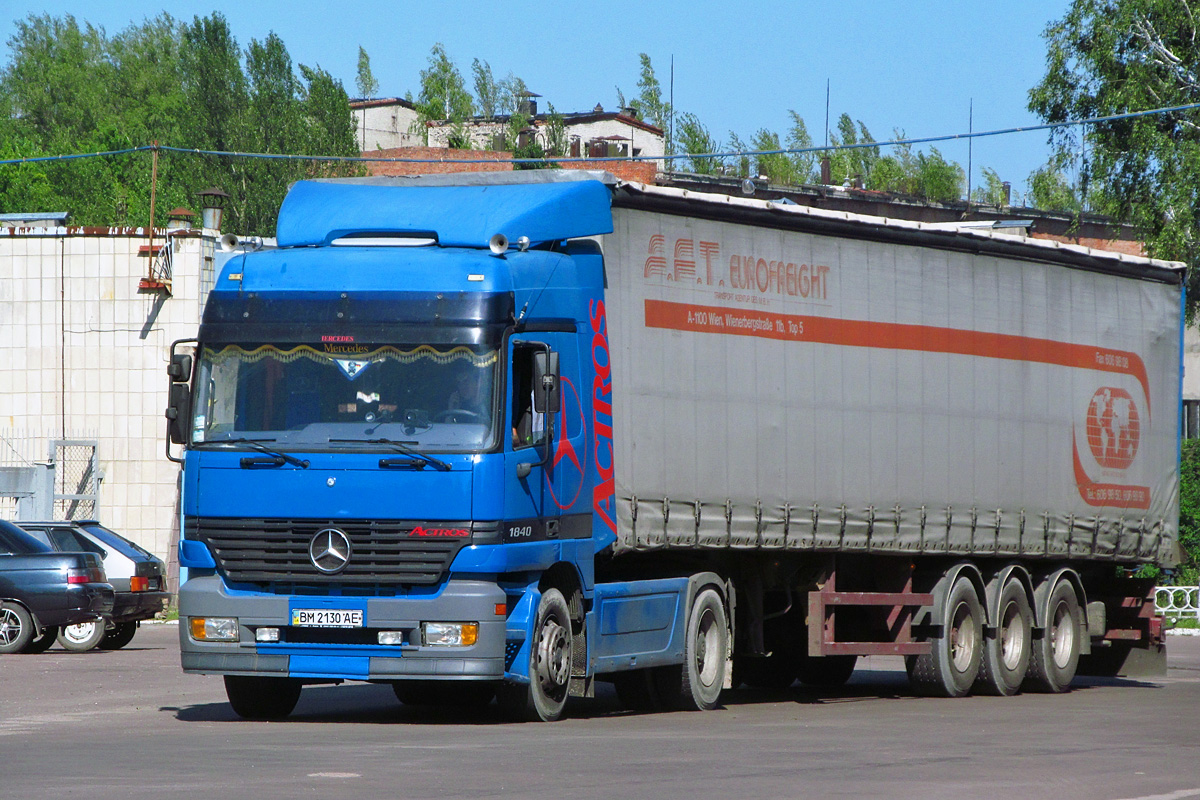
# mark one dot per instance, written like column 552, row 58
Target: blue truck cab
column 397, row 460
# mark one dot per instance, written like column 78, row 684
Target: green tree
column 444, row 94
column 487, row 89
column 1113, row 56
column 804, row 165
column 992, row 191
column 776, row 167
column 1049, row 190
column 693, row 138
column 649, row 103
column 556, row 133
column 741, row 162
column 856, row 162
column 365, row 81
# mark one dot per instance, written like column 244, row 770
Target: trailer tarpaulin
column 806, row 380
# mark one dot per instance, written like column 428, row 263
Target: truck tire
column 827, row 672
column 42, row 642
column 1006, row 654
column 545, row 696
column 1055, row 656
column 16, row 628
column 446, row 694
column 253, row 697
column 950, row 667
column 696, row 684
column 81, row 637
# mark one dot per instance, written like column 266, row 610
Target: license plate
column 327, row 618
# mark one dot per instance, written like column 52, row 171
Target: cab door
column 544, row 456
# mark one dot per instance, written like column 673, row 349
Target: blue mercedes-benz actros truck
column 504, row 435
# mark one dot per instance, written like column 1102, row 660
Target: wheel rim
column 1062, row 635
column 962, row 638
column 707, row 643
column 1012, row 637
column 10, row 626
column 553, row 658
column 79, row 633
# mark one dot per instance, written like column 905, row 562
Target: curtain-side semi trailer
column 506, row 436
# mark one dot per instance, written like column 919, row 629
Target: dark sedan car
column 41, row 590
column 138, row 576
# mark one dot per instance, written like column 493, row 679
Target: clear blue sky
column 739, row 66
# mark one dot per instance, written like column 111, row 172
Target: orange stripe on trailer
column 893, row 336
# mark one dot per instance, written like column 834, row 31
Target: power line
column 574, row 159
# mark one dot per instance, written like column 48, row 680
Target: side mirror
column 179, row 411
column 545, row 382
column 180, row 368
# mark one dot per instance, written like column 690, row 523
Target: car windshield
column 337, row 395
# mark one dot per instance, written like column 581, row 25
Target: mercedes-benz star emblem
column 329, row 550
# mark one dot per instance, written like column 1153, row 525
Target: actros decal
column 604, row 495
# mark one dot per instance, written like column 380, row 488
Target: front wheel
column 545, row 696
column 262, row 698
column 81, row 637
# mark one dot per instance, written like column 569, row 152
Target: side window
column 528, row 426
column 40, row 535
column 68, row 541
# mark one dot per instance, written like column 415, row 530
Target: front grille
column 273, row 551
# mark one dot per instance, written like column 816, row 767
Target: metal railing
column 1177, row 602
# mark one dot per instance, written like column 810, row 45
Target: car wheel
column 82, row 637
column 119, row 636
column 40, row 644
column 16, row 628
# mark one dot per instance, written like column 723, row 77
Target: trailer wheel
column 1055, row 656
column 951, row 666
column 262, row 698
column 696, row 684
column 545, row 696
column 1006, row 654
column 827, row 672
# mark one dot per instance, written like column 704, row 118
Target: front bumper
column 458, row 601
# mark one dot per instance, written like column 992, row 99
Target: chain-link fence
column 76, row 478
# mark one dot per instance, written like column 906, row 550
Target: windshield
column 334, row 395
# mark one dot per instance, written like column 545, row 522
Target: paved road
column 129, row 724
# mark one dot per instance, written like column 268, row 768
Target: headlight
column 450, row 634
column 214, row 629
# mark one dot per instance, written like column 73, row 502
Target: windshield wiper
column 279, row 458
column 402, row 447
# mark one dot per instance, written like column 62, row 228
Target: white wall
column 83, row 352
column 385, row 127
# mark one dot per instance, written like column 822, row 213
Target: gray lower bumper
column 460, row 601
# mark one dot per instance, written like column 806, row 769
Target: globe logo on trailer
column 1113, row 427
